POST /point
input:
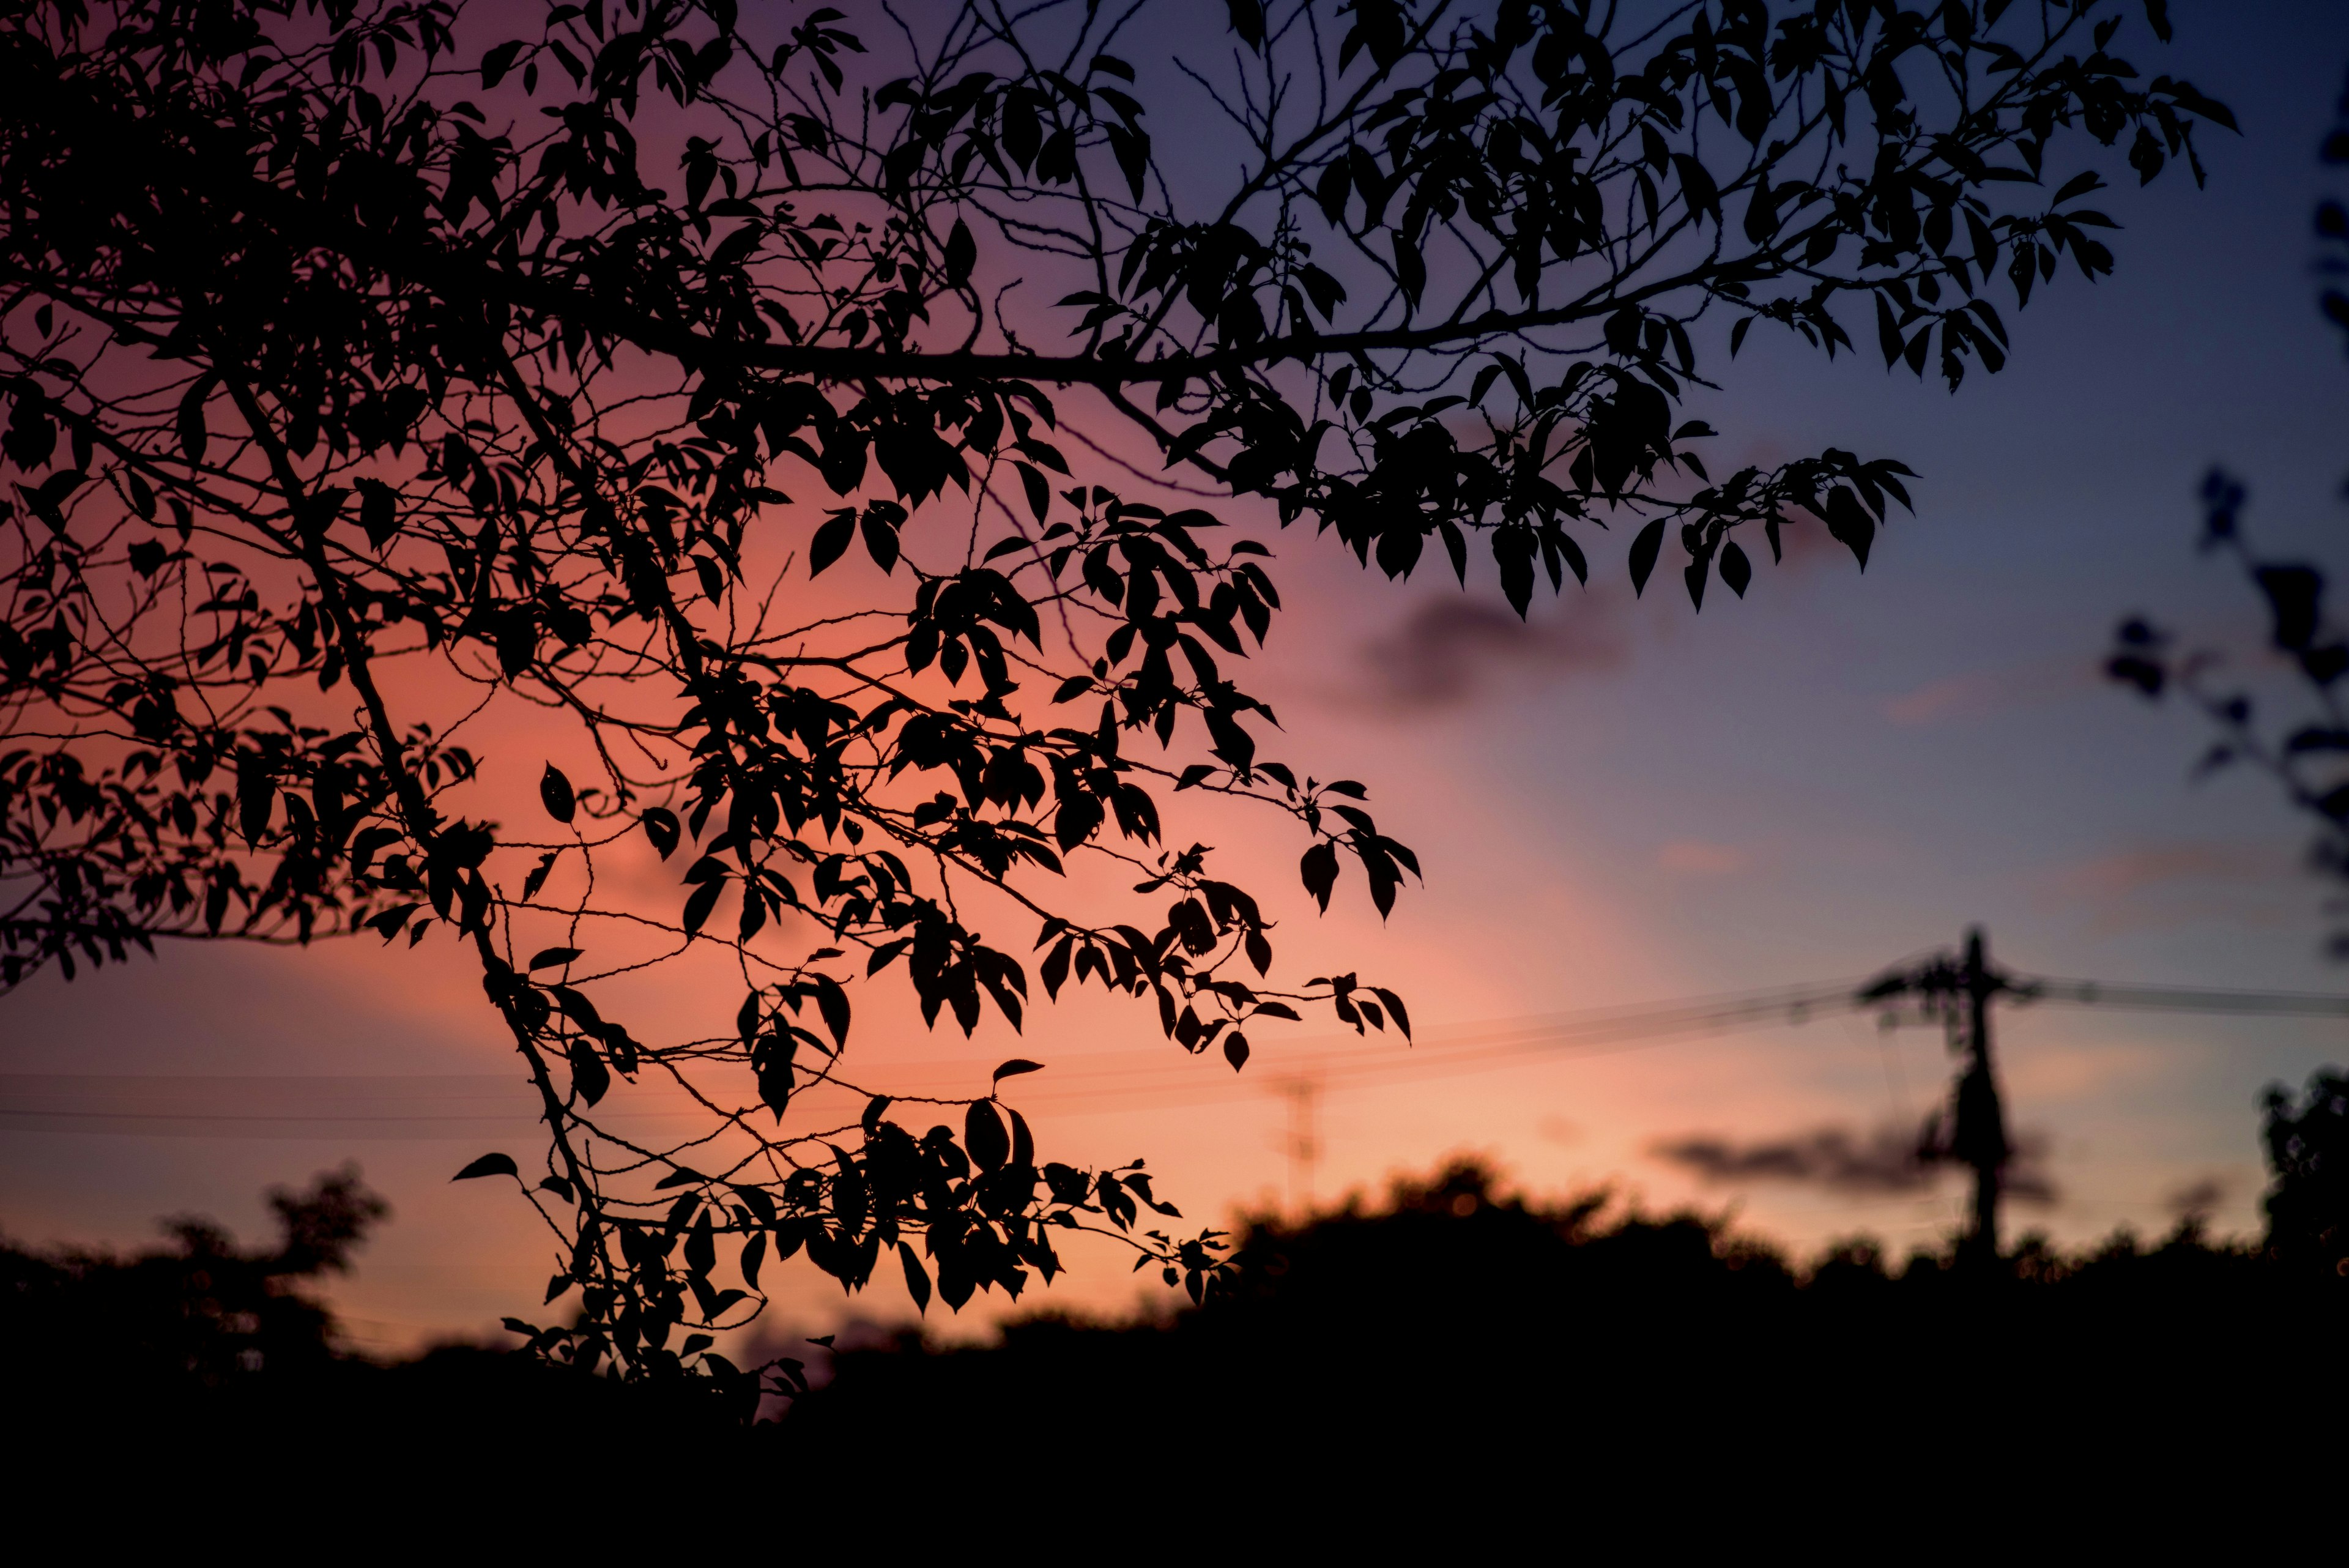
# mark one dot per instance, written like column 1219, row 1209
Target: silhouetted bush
column 1457, row 1352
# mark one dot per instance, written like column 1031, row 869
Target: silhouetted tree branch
column 373, row 374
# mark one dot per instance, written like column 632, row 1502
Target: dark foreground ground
column 1454, row 1363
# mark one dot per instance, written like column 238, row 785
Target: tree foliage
column 203, row 1313
column 763, row 395
column 2307, row 756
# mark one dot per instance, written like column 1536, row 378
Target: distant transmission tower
column 1303, row 1144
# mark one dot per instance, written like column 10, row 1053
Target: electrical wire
column 1328, row 1062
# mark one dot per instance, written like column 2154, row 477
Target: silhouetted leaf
column 917, row 1279
column 1320, row 872
column 1735, row 569
column 554, row 793
column 661, row 826
column 1644, row 548
column 1850, row 525
column 984, row 1136
column 961, row 254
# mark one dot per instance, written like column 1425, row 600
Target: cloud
column 2159, row 885
column 1957, row 697
column 1451, row 650
column 2199, row 1199
column 1558, row 1130
column 2126, row 871
column 1692, row 857
column 1981, row 691
column 1887, row 1161
column 1456, row 649
column 1883, row 1161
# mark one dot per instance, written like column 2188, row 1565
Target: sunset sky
column 1621, row 802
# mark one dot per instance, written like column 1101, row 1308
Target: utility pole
column 1978, row 1137
column 1303, row 1144
column 1959, row 989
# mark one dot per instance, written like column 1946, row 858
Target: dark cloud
column 1887, row 1160
column 2197, row 1200
column 1451, row 649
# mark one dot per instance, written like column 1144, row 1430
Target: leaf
column 1040, row 495
column 2133, row 669
column 704, row 899
column 961, row 255
column 917, row 1279
column 2079, row 186
column 1848, row 521
column 1644, row 548
column 984, row 1136
column 880, row 541
column 497, row 62
column 2296, row 597
column 588, row 1073
column 488, row 1165
column 553, row 958
column 1735, row 569
column 378, row 519
column 1319, row 868
column 661, row 826
column 831, row 541
column 1015, row 1066
column 1411, row 268
column 1887, row 332
column 194, row 437
column 554, row 793
column 1696, row 183
column 1236, row 1050
column 1132, row 150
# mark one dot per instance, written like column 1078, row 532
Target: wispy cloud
column 2152, row 887
column 1977, row 692
column 1451, row 651
column 2122, row 872
column 1694, row 857
column 1886, row 1161
column 1957, row 697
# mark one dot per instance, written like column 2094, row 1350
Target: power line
column 286, row 1100
column 2182, row 999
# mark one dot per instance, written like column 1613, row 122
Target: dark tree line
column 377, row 372
column 1446, row 1356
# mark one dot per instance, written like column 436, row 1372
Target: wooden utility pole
column 1959, row 990
column 1978, row 1137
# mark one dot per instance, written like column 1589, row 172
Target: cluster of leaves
column 370, row 373
column 2305, row 757
column 2307, row 1139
